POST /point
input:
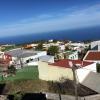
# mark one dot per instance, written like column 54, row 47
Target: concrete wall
column 39, row 54
column 42, row 53
column 78, row 44
column 1, row 54
column 94, row 43
column 54, row 96
column 62, row 47
column 53, row 73
column 92, row 97
column 33, row 63
column 51, row 60
column 82, row 73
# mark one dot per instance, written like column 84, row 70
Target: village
column 54, row 61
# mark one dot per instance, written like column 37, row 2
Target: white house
column 61, row 47
column 47, row 58
column 95, row 45
column 51, row 40
column 85, row 71
column 55, row 71
column 77, row 44
column 72, row 55
column 1, row 54
column 25, row 57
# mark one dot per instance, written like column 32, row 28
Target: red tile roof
column 93, row 55
column 65, row 63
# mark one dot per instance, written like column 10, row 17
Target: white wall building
column 94, row 44
column 77, row 44
column 86, row 72
column 1, row 54
column 73, row 55
column 61, row 47
column 61, row 68
column 25, row 57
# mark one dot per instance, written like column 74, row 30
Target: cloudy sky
column 19, row 17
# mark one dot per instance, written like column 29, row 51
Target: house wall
column 94, row 43
column 51, row 60
column 33, row 63
column 62, row 47
column 73, row 56
column 23, row 60
column 82, row 73
column 77, row 44
column 95, row 61
column 1, row 54
column 43, row 53
column 53, row 73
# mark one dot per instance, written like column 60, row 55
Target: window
column 27, row 61
column 31, row 59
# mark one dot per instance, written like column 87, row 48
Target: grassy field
column 26, row 73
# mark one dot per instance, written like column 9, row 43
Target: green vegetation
column 53, row 50
column 10, row 47
column 40, row 46
column 98, row 68
column 67, row 48
column 11, row 70
column 26, row 73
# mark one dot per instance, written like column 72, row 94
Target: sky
column 18, row 17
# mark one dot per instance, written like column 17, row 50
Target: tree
column 11, row 69
column 53, row 50
column 39, row 47
column 67, row 48
column 98, row 67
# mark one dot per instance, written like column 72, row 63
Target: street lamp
column 75, row 79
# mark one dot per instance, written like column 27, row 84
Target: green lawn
column 26, row 73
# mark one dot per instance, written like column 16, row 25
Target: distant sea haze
column 92, row 33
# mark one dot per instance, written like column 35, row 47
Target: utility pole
column 58, row 84
column 75, row 79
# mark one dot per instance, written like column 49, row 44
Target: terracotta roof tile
column 93, row 55
column 65, row 63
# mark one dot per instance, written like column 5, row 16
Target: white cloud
column 64, row 20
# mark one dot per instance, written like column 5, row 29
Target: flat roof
column 20, row 53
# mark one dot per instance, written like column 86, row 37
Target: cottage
column 86, row 72
column 61, row 68
column 22, row 57
column 72, row 54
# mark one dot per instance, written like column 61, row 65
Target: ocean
column 91, row 33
